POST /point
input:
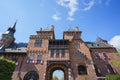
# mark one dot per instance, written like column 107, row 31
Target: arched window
column 105, row 56
column 97, row 56
column 82, row 70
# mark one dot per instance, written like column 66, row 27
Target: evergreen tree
column 6, row 69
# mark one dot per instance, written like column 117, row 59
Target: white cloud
column 115, row 41
column 88, row 5
column 56, row 17
column 70, row 4
column 83, row 5
column 70, row 18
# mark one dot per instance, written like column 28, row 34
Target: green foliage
column 55, row 78
column 112, row 77
column 6, row 69
column 62, row 78
column 116, row 63
column 118, row 52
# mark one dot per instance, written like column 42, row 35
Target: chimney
column 52, row 28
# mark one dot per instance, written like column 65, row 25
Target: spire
column 13, row 27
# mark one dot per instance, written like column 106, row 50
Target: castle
column 43, row 54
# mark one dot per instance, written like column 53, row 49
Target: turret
column 72, row 34
column 11, row 30
column 8, row 36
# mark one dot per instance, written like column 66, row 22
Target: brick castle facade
column 43, row 54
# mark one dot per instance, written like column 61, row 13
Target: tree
column 112, row 77
column 62, row 78
column 6, row 69
column 118, row 52
column 55, row 78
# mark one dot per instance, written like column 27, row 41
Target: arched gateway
column 57, row 66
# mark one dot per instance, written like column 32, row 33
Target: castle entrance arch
column 53, row 67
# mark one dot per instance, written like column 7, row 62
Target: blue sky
column 93, row 17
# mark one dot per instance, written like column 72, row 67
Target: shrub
column 6, row 69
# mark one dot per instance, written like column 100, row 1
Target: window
column 76, row 45
column 82, row 70
column 105, row 56
column 31, row 58
column 97, row 56
column 80, row 55
column 63, row 53
column 52, row 53
column 39, row 58
column 98, row 45
column 38, row 43
column 97, row 70
column 57, row 53
column 110, row 69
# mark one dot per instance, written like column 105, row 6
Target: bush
column 112, row 77
column 6, row 69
